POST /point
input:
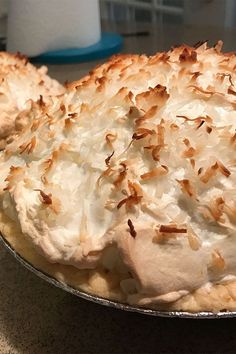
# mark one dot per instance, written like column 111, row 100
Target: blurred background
column 215, row 12
column 210, row 12
column 145, row 26
column 203, row 19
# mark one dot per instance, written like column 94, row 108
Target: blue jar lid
column 109, row 44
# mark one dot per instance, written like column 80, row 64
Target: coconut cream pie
column 21, row 84
column 125, row 185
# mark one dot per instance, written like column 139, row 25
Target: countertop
column 37, row 318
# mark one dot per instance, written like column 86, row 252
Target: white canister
column 39, row 26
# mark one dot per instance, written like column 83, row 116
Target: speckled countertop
column 37, row 318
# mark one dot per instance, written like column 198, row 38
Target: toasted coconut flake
column 132, row 231
column 188, row 56
column 218, row 261
column 134, row 198
column 121, row 177
column 223, row 169
column 155, row 149
column 41, row 102
column 28, row 147
column 63, row 108
column 218, row 46
column 170, row 229
column 192, row 162
column 22, row 57
column 209, row 173
column 134, row 112
column 199, row 170
column 156, row 172
column 68, row 123
column 47, row 165
column 195, row 75
column 72, row 115
column 44, row 179
column 155, row 152
column 50, row 121
column 14, row 170
column 208, row 129
column 163, row 236
column 123, row 201
column 129, row 201
column 56, row 205
column 190, row 152
column 46, row 198
column 187, row 187
column 108, row 172
column 174, row 126
column 160, row 133
column 84, row 108
column 101, row 81
column 107, row 160
column 148, row 115
column 223, row 75
column 193, row 239
column 12, row 176
column 233, row 138
column 201, row 90
column 110, row 138
column 154, row 96
column 216, row 208
column 186, row 142
column 164, row 57
column 142, row 133
column 198, row 120
column 200, row 124
column 135, row 188
column 231, row 91
column 35, row 125
column 159, row 57
column 125, row 95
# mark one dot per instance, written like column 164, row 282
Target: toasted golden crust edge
column 100, row 283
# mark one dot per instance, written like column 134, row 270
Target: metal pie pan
column 109, row 303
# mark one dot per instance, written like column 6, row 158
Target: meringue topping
column 21, row 85
column 138, row 155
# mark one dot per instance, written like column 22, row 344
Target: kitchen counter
column 38, row 318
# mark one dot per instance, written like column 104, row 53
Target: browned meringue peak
column 21, row 84
column 139, row 155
